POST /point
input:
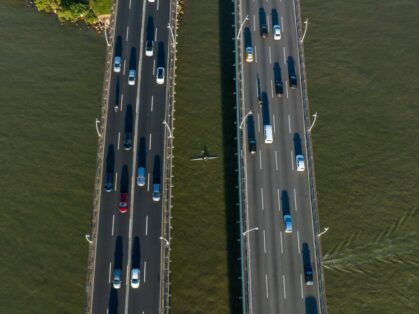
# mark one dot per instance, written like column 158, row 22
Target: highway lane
column 132, row 239
column 148, row 213
column 274, row 187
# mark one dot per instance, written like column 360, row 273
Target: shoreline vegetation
column 94, row 13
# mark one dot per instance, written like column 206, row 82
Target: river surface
column 50, row 94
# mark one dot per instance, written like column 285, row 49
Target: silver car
column 135, row 278
column 117, row 64
column 160, row 75
column 116, row 282
column 131, row 77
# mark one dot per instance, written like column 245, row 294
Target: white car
column 277, row 32
column 131, row 77
column 156, row 192
column 149, row 47
column 116, row 282
column 160, row 75
column 151, row 1
column 249, row 54
column 287, row 223
column 299, row 159
column 117, row 64
column 135, row 278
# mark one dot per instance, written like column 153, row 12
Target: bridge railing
column 168, row 155
column 310, row 162
column 99, row 161
column 241, row 161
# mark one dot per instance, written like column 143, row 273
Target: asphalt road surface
column 131, row 239
column 274, row 187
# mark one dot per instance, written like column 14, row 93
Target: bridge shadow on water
column 227, row 46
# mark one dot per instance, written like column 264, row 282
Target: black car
column 251, row 134
column 291, row 73
column 128, row 140
column 308, row 275
column 279, row 88
column 264, row 30
column 108, row 181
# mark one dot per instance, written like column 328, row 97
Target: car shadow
column 118, row 47
column 113, row 302
column 150, row 28
column 297, row 144
column 160, row 60
column 311, row 305
column 124, row 183
column 142, row 152
column 274, row 14
column 247, row 37
column 136, row 253
column 285, row 203
column 156, row 170
column 133, row 59
column 277, row 72
column 265, row 109
column 110, row 159
column 118, row 254
column 128, row 119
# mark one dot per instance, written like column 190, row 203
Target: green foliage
column 68, row 10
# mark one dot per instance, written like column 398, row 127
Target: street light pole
column 247, row 114
column 168, row 129
column 314, row 121
column 97, row 128
column 253, row 229
column 171, row 32
column 241, row 26
column 323, row 232
column 305, row 30
column 165, row 240
column 106, row 36
column 88, row 238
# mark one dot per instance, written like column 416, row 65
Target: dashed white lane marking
column 149, row 142
column 273, row 122
column 126, row 37
column 119, row 139
column 145, row 270
column 152, row 103
column 292, row 161
column 260, row 160
column 258, row 122
column 289, row 124
column 283, row 281
column 254, row 23
column 279, row 200
column 295, row 200
column 122, row 101
column 298, row 242
column 256, row 56
column 276, row 160
column 282, row 247
column 110, row 270
column 270, row 55
column 301, row 282
column 285, row 62
column 155, row 35
column 146, row 225
column 148, row 181
column 266, row 284
column 272, row 89
column 129, row 6
column 264, row 241
column 113, row 223
column 261, row 195
column 116, row 179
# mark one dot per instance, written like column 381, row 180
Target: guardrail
column 241, row 162
column 310, row 162
column 99, row 162
column 168, row 154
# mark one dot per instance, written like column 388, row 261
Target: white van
column 267, row 133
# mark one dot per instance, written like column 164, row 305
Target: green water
column 50, row 92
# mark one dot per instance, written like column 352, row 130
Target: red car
column 123, row 203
